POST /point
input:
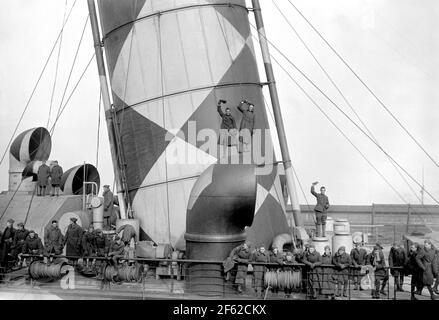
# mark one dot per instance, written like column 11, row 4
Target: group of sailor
column 46, row 173
column 330, row 275
column 77, row 242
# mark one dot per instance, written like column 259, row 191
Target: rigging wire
column 294, row 171
column 344, row 113
column 56, row 68
column 99, row 128
column 71, row 94
column 36, row 85
column 73, row 64
column 338, row 128
column 345, row 98
column 381, row 103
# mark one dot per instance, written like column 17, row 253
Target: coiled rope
column 124, row 273
column 42, row 271
column 283, row 279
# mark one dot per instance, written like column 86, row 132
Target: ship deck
column 18, row 286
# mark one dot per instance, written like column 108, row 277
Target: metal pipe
column 107, row 106
column 296, row 219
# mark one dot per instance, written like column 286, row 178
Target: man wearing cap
column 102, row 244
column 128, row 233
column 241, row 256
column 6, row 242
column 89, row 243
column 117, row 249
column 342, row 261
column 33, row 244
column 320, row 209
column 55, row 174
column 43, row 178
column 108, row 204
column 19, row 238
column 53, row 239
column 358, row 258
column 73, row 239
column 258, row 270
column 313, row 259
column 397, row 259
column 376, row 259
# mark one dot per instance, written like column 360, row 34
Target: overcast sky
column 392, row 44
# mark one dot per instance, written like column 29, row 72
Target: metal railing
column 180, row 278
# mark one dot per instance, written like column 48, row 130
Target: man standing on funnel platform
column 228, row 131
column 43, row 178
column 247, row 124
column 320, row 209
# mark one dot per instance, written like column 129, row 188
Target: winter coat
column 20, row 236
column 56, row 174
column 33, row 246
column 73, row 240
column 89, row 243
column 43, row 175
column 6, row 244
column 102, row 245
column 258, row 270
column 358, row 258
column 248, row 119
column 341, row 263
column 424, row 259
column 326, row 275
column 108, row 203
column 412, row 268
column 397, row 258
column 53, row 240
column 379, row 265
column 322, row 201
column 116, row 249
column 313, row 260
column 128, row 233
column 436, row 264
column 228, row 122
column 243, row 256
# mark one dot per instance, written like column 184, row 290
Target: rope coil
column 42, row 271
column 283, row 279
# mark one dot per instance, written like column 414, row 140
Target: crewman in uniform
column 313, row 259
column 228, row 131
column 73, row 239
column 43, row 178
column 258, row 270
column 247, row 123
column 89, row 244
column 358, row 258
column 116, row 250
column 108, row 205
column 55, row 174
column 20, row 236
column 102, row 244
column 33, row 245
column 6, row 243
column 241, row 255
column 398, row 258
column 342, row 261
column 128, row 233
column 53, row 239
column 376, row 259
column 320, row 209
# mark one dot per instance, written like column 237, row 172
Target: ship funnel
column 29, row 146
column 219, row 209
column 73, row 179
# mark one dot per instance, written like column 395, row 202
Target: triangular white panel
column 276, row 192
column 261, row 195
